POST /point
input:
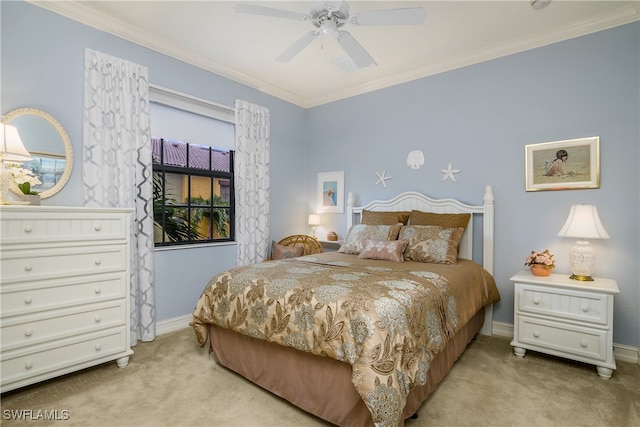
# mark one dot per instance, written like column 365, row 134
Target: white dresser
column 64, row 291
column 564, row 317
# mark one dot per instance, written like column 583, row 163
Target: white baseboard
column 621, row 352
column 171, row 325
column 624, row 353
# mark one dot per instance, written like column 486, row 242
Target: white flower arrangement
column 24, row 179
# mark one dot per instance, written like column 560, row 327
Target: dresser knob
column 536, row 300
column 28, row 333
column 28, row 364
column 98, row 261
column 28, row 267
column 98, row 319
column 536, row 334
column 27, row 229
column 585, row 308
column 584, row 344
column 97, row 227
column 98, row 291
column 98, row 347
column 28, row 300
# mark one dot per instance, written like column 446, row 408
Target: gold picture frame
column 563, row 165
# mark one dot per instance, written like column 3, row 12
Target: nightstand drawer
column 23, row 331
column 26, row 298
column 563, row 303
column 562, row 339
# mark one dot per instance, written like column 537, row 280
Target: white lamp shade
column 314, row 219
column 584, row 223
column 12, row 149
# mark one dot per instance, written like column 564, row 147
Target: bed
column 361, row 336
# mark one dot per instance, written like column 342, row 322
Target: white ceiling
column 242, row 47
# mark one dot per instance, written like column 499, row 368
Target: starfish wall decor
column 382, row 178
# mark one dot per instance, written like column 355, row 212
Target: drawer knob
column 585, row 308
column 98, row 347
column 97, row 227
column 536, row 334
column 27, row 229
column 28, row 267
column 584, row 343
column 536, row 300
column 98, row 290
column 28, row 364
column 28, row 300
column 98, row 318
column 98, row 261
column 28, row 333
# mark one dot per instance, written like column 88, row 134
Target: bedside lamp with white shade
column 314, row 221
column 583, row 223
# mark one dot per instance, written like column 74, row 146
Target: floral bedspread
column 388, row 320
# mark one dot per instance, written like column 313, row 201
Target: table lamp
column 584, row 223
column 314, row 221
column 12, row 150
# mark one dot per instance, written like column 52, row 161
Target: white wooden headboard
column 416, row 201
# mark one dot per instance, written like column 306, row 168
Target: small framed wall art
column 563, row 165
column 331, row 192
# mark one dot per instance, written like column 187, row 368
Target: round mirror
column 49, row 145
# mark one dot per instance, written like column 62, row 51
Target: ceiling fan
column 328, row 17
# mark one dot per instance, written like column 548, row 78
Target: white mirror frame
column 68, row 150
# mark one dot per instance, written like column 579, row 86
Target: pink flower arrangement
column 543, row 258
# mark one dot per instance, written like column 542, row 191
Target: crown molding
column 87, row 16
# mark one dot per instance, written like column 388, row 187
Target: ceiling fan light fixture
column 328, row 27
column 540, row 4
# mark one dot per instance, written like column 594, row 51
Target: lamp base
column 581, row 278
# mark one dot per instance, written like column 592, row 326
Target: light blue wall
column 479, row 117
column 42, row 58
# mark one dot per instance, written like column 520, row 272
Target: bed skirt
column 321, row 385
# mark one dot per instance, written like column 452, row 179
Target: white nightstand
column 564, row 317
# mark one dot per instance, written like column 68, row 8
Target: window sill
column 194, row 246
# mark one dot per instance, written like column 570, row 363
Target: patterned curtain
column 252, row 182
column 117, row 167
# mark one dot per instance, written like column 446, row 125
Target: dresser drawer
column 579, row 306
column 46, row 360
column 32, row 297
column 22, row 331
column 27, row 266
column 29, row 226
column 562, row 339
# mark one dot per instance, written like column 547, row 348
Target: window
column 193, row 197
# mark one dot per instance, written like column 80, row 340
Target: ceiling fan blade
column 354, row 50
column 407, row 16
column 297, row 47
column 270, row 11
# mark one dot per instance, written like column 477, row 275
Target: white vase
column 32, row 199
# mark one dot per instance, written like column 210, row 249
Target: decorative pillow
column 430, row 243
column 384, row 218
column 448, row 220
column 387, row 250
column 284, row 252
column 354, row 242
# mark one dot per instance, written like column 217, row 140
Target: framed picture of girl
column 563, row 165
column 331, row 192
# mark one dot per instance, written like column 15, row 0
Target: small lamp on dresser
column 314, row 221
column 584, row 223
column 12, row 151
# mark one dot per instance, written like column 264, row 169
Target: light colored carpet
column 173, row 382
